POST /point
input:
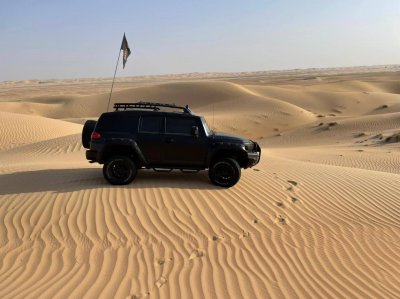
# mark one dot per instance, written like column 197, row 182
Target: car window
column 117, row 122
column 180, row 125
column 152, row 124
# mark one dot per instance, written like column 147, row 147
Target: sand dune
column 17, row 129
column 317, row 218
column 335, row 101
column 332, row 130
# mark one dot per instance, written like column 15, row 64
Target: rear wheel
column 119, row 170
column 224, row 172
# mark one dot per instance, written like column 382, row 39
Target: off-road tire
column 119, row 170
column 87, row 131
column 224, row 172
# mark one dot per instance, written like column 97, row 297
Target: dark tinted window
column 152, row 124
column 117, row 122
column 180, row 125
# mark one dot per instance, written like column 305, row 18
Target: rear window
column 152, row 124
column 180, row 125
column 117, row 122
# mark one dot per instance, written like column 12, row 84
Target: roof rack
column 149, row 105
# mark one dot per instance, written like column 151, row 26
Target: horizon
column 355, row 68
column 41, row 43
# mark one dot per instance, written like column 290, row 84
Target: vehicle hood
column 225, row 137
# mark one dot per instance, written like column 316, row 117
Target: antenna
column 213, row 116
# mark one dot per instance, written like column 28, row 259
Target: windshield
column 206, row 128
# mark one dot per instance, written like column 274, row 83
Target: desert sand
column 318, row 217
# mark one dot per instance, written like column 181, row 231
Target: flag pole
column 112, row 85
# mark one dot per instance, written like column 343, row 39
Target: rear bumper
column 91, row 155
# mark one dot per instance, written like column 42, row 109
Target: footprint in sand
column 196, row 253
column 280, row 219
column 280, row 204
column 290, row 188
column 162, row 261
column 293, row 184
column 161, row 281
column 244, row 235
column 216, row 238
column 138, row 296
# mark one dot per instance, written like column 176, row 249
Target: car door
column 182, row 149
column 150, row 137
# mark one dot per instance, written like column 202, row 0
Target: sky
column 79, row 39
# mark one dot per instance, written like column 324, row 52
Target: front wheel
column 225, row 172
column 119, row 170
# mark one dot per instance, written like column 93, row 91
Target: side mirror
column 195, row 132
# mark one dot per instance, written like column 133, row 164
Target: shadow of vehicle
column 69, row 180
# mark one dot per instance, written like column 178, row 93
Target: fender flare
column 126, row 143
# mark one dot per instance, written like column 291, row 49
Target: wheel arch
column 132, row 151
column 239, row 156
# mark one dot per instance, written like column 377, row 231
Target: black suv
column 164, row 137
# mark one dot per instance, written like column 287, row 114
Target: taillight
column 95, row 135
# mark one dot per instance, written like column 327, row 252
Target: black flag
column 126, row 50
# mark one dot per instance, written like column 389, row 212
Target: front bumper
column 254, row 156
column 253, row 159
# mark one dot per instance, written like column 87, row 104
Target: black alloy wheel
column 119, row 170
column 225, row 172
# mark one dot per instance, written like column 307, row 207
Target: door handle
column 169, row 140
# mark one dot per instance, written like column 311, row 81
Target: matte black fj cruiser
column 164, row 137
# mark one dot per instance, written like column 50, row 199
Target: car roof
column 147, row 112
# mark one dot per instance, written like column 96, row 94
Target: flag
column 126, row 50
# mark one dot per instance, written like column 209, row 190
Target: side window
column 152, row 124
column 180, row 125
column 117, row 122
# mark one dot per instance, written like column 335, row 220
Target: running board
column 162, row 169
column 190, row 170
